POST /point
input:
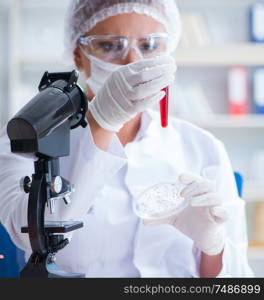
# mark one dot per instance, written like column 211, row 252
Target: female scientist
column 123, row 47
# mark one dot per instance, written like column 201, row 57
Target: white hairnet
column 83, row 15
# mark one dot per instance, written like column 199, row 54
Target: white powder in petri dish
column 160, row 201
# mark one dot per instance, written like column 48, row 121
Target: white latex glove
column 130, row 90
column 202, row 220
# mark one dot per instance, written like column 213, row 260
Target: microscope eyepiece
column 59, row 106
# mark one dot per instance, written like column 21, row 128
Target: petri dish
column 160, row 201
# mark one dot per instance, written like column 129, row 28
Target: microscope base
column 45, row 267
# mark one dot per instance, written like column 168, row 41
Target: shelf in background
column 247, row 54
column 226, row 121
column 244, row 54
column 240, row 54
column 256, row 246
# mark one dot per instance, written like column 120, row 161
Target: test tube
column 164, row 105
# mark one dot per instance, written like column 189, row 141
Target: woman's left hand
column 203, row 219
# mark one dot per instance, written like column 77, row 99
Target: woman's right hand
column 204, row 218
column 130, row 90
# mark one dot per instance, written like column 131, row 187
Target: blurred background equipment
column 238, row 91
column 257, row 22
column 219, row 35
column 13, row 258
column 258, row 90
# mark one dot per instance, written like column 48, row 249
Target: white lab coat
column 114, row 242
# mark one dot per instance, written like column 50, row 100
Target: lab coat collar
column 146, row 119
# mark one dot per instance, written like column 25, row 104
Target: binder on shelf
column 257, row 22
column 238, row 91
column 258, row 90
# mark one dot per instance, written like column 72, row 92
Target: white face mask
column 100, row 71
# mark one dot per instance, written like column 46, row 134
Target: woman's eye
column 149, row 46
column 110, row 46
column 106, row 46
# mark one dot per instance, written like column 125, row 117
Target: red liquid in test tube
column 164, row 107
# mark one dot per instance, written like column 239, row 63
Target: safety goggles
column 114, row 48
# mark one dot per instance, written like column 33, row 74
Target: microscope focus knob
column 56, row 185
column 25, row 184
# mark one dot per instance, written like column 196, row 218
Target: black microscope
column 42, row 127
